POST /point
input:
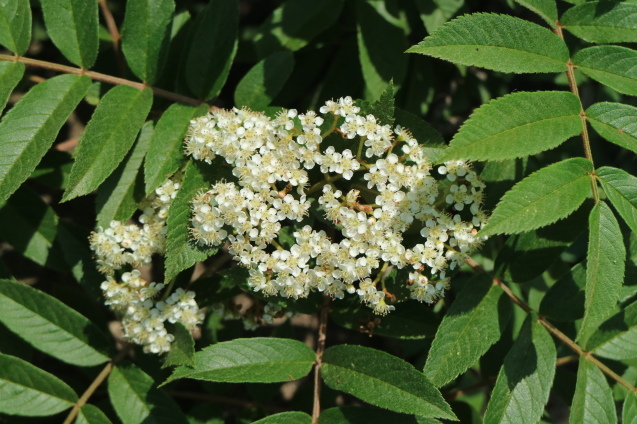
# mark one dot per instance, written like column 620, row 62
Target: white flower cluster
column 132, row 298
column 274, row 160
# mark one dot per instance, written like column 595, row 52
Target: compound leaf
column 621, row 189
column 73, row 27
column 603, row 21
column 165, row 154
column 264, row 81
column 605, row 266
column 213, row 47
column 29, row 391
column 136, row 399
column 550, row 194
column 109, row 135
column 254, row 360
column 497, row 42
column 15, row 25
column 145, row 37
column 613, row 66
column 30, row 127
column 524, row 383
column 517, row 125
column 51, row 326
column 479, row 308
column 593, row 401
column 615, row 122
column 383, row 380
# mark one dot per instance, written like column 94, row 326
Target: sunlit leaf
column 286, row 418
column 615, row 122
column 264, row 81
column 621, row 189
column 603, row 21
column 546, row 9
column 616, row 338
column 629, row 412
column 613, row 66
column 366, row 415
column 10, row 75
column 90, row 414
column 593, row 400
column 15, row 25
column 497, row 42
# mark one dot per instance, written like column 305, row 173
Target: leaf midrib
column 496, row 47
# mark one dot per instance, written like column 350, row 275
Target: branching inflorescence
column 405, row 215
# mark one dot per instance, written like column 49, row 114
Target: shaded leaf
column 359, row 415
column 10, row 75
column 564, row 301
column 264, row 81
column 615, row 122
column 254, row 360
column 212, row 49
column 502, row 175
column 434, row 13
column 136, row 399
column 72, row 25
column 524, row 383
column 593, row 400
column 603, row 21
column 605, row 266
column 380, row 50
column 15, row 25
column 165, row 154
column 29, row 391
column 613, row 66
column 517, row 125
column 118, row 197
column 480, row 308
column 26, row 135
column 497, row 42
column 550, row 194
column 546, row 9
column 182, row 349
column 629, row 412
column 286, row 418
column 383, row 380
column 51, row 326
column 616, row 338
column 109, row 135
column 621, row 189
column 145, row 36
column 90, row 414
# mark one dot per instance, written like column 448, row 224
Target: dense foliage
column 246, row 211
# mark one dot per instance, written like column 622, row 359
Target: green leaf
column 564, row 301
column 109, row 135
column 136, row 399
column 517, row 125
column 524, row 383
column 264, row 81
column 383, row 380
column 181, row 251
column 629, row 412
column 613, row 66
column 286, row 418
column 182, row 349
column 616, row 338
column 90, row 414
column 72, row 25
column 28, row 391
column 593, row 400
column 380, row 46
column 547, row 9
column 480, row 308
column 165, row 154
column 359, row 415
column 254, row 360
column 527, row 255
column 621, row 189
column 605, row 266
column 10, row 75
column 603, row 21
column 33, row 228
column 212, row 49
column 146, row 35
column 497, row 42
column 15, row 25
column 294, row 24
column 550, row 194
column 51, row 326
column 434, row 13
column 26, row 135
column 119, row 196
column 615, row 122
